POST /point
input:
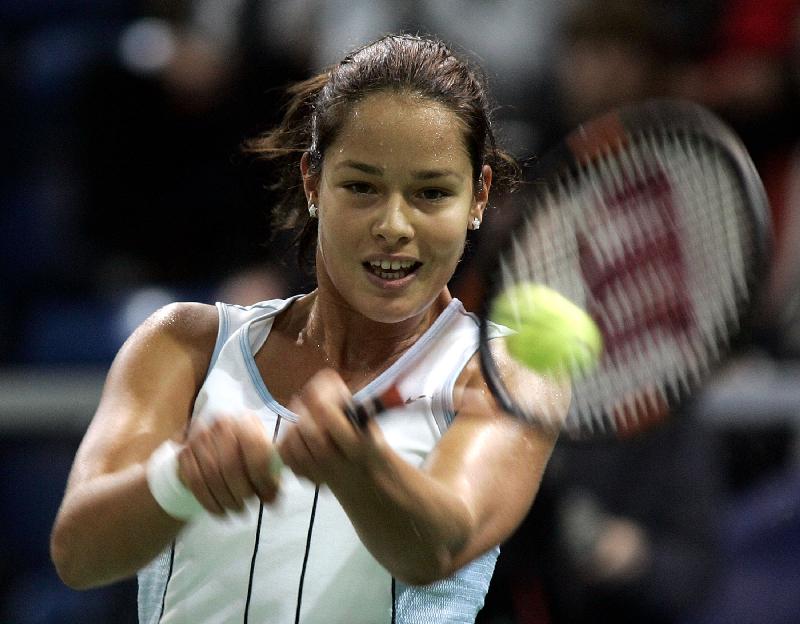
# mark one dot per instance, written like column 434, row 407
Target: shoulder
column 546, row 399
column 185, row 328
column 150, row 387
column 188, row 323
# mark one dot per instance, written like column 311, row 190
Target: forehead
column 391, row 127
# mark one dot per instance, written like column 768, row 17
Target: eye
column 359, row 188
column 434, row 194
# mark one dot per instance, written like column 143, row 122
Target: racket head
column 653, row 220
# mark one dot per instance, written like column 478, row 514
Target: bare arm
column 109, row 525
column 422, row 525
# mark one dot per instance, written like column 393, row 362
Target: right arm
column 109, row 525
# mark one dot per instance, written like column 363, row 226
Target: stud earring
column 475, row 223
column 312, row 210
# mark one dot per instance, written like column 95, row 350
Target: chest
column 286, row 367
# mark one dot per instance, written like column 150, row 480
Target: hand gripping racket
column 652, row 219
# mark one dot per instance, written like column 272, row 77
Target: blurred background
column 122, row 188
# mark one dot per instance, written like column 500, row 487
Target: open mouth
column 392, row 269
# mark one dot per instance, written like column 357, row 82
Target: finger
column 205, row 452
column 224, row 435
column 324, row 398
column 296, row 455
column 314, row 432
column 192, row 477
column 300, row 429
column 261, row 460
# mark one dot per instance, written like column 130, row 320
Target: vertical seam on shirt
column 169, row 576
column 305, row 557
column 394, row 600
column 257, row 540
column 253, row 563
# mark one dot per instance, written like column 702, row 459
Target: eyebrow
column 360, row 166
column 423, row 174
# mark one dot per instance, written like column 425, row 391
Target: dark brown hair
column 402, row 63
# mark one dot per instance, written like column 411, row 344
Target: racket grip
column 359, row 413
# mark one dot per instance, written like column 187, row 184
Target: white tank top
column 300, row 560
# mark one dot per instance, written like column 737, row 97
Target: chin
column 396, row 310
column 390, row 316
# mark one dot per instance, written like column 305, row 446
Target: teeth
column 391, row 269
column 394, row 265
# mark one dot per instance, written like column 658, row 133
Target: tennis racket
column 654, row 221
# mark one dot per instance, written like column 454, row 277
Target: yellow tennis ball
column 552, row 335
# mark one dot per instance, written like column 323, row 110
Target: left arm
column 472, row 492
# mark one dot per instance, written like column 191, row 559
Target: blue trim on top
column 385, row 378
column 416, row 350
column 277, row 305
column 255, row 376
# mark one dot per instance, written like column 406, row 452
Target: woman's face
column 395, row 196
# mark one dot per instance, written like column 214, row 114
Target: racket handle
column 361, row 412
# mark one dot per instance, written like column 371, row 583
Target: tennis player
column 387, row 162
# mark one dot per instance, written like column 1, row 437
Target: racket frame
column 612, row 132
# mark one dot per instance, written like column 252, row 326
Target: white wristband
column 165, row 485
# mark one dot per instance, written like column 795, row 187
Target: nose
column 392, row 223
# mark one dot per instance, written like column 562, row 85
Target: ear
column 310, row 178
column 482, row 193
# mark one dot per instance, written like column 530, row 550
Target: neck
column 352, row 343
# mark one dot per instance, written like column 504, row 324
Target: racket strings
column 643, row 279
column 718, row 253
column 652, row 241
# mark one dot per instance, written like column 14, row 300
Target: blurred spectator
column 166, row 200
column 607, row 53
column 745, row 72
column 750, row 75
column 125, row 124
column 636, row 526
column 512, row 39
column 251, row 285
column 47, row 49
column 761, row 570
column 34, row 469
column 622, row 531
